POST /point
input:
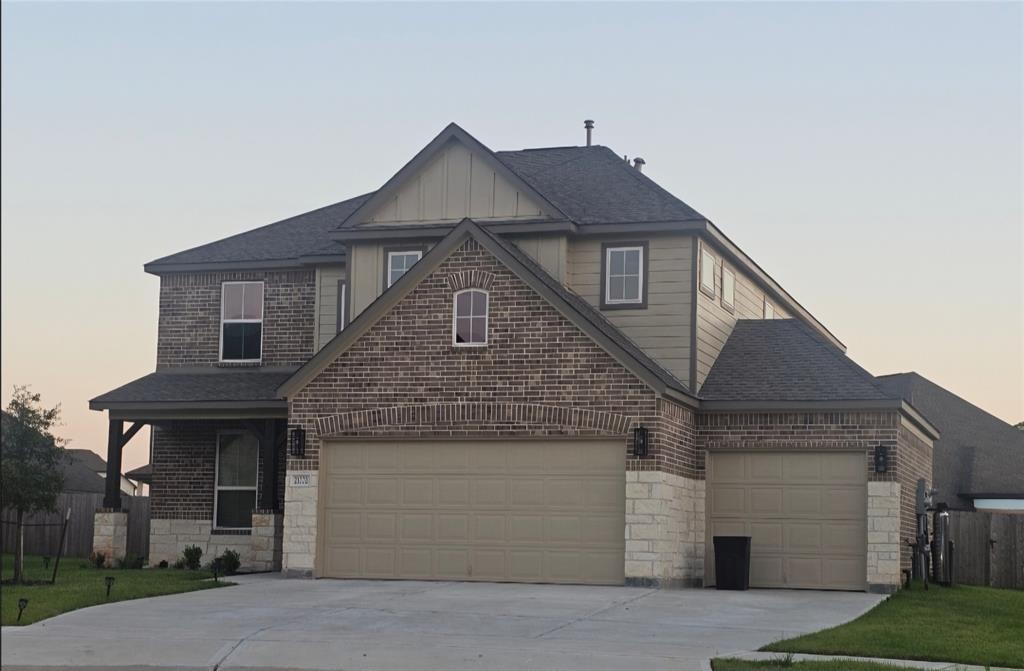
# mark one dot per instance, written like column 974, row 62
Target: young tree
column 30, row 460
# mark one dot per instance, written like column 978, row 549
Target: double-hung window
column 769, row 310
column 707, row 272
column 241, row 321
column 728, row 289
column 624, row 275
column 469, row 324
column 399, row 262
column 235, row 496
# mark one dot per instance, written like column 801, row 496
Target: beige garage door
column 517, row 511
column 805, row 512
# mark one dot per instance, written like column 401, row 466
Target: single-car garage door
column 805, row 512
column 515, row 510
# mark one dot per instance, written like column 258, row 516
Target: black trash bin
column 732, row 562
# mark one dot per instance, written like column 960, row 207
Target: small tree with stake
column 30, row 460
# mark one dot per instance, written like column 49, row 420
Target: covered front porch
column 217, row 453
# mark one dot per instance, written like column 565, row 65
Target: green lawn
column 966, row 625
column 729, row 664
column 80, row 585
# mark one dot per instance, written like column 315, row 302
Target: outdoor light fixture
column 297, row 442
column 46, row 561
column 22, row 605
column 641, row 437
column 110, row 583
column 216, row 568
column 881, row 459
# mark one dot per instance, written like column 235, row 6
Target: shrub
column 130, row 561
column 179, row 563
column 230, row 561
column 162, row 564
column 98, row 559
column 193, row 555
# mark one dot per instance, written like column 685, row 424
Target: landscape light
column 22, row 605
column 110, row 583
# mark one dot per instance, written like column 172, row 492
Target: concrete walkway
column 905, row 663
column 267, row 622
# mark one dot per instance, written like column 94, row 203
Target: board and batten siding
column 366, row 264
column 715, row 322
column 662, row 329
column 549, row 251
column 326, row 322
column 457, row 183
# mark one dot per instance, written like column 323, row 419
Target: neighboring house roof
column 285, row 242
column 978, row 454
column 594, row 185
column 87, row 458
column 79, row 477
column 784, row 360
column 198, row 388
column 143, row 474
column 577, row 310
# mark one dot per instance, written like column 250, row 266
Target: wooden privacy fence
column 989, row 548
column 44, row 540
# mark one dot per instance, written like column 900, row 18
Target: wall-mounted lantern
column 881, row 459
column 641, row 442
column 297, row 442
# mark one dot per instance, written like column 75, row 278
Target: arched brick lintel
column 509, row 415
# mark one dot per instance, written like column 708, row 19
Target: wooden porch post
column 268, row 453
column 115, row 441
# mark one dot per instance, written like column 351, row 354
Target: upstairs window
column 707, row 272
column 237, row 463
column 399, row 262
column 769, row 310
column 624, row 276
column 728, row 289
column 241, row 321
column 469, row 327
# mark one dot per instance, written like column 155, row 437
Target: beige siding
column 714, row 322
column 457, row 183
column 326, row 325
column 549, row 251
column 662, row 329
column 366, row 272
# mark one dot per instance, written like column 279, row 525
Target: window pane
column 616, row 288
column 242, row 341
column 234, row 508
column 252, row 307
column 631, row 290
column 707, row 271
column 237, row 460
column 479, row 329
column 462, row 329
column 632, row 262
column 618, row 264
column 479, row 303
column 463, row 303
column 232, row 301
column 728, row 287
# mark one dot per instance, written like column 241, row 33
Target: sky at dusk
column 867, row 155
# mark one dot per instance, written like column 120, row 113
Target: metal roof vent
column 639, row 164
column 589, row 125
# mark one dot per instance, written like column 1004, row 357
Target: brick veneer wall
column 913, row 461
column 189, row 326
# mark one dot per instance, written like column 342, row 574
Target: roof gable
column 452, row 178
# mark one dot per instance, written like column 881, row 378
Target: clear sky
column 868, row 156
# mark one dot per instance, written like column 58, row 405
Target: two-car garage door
column 805, row 511
column 518, row 510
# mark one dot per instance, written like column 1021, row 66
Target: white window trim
column 220, row 336
column 608, row 276
column 399, row 252
column 705, row 257
column 769, row 309
column 234, row 488
column 455, row 317
column 731, row 304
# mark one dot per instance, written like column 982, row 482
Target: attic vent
column 589, row 125
column 639, row 164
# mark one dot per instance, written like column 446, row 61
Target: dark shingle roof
column 593, row 185
column 78, row 477
column 142, row 474
column 976, row 453
column 784, row 360
column 286, row 240
column 87, row 458
column 198, row 385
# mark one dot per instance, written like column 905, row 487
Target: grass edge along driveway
column 79, row 585
column 732, row 664
column 962, row 624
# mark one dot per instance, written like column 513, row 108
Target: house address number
column 301, row 480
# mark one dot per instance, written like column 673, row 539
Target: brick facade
column 913, row 461
column 189, row 328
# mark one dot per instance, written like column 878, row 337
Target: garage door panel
column 505, row 511
column 804, row 511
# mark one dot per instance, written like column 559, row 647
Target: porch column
column 115, row 441
column 269, row 439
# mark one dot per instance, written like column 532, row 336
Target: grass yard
column 966, row 625
column 729, row 664
column 80, row 585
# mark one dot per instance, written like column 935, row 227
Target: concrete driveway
column 267, row 622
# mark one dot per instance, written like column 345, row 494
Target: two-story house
column 524, row 366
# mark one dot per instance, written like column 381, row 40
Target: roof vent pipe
column 639, row 164
column 589, row 125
